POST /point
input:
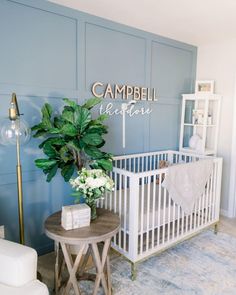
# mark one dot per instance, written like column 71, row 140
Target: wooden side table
column 102, row 229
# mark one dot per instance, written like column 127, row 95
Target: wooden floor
column 228, row 225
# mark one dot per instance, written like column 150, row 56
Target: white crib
column 150, row 221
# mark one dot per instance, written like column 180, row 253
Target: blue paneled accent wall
column 48, row 52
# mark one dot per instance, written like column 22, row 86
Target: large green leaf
column 58, row 122
column 39, row 133
column 83, row 118
column 45, row 163
column 71, row 103
column 65, row 155
column 68, row 115
column 69, row 129
column 37, row 127
column 53, row 140
column 101, row 144
column 49, row 150
column 46, row 123
column 93, row 152
column 52, row 172
column 102, row 117
column 93, row 139
column 90, row 103
column 54, row 131
column 47, row 110
column 105, row 164
column 100, row 129
column 67, row 171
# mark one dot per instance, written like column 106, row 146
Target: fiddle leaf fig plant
column 72, row 139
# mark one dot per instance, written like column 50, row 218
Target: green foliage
column 72, row 139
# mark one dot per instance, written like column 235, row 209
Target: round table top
column 105, row 226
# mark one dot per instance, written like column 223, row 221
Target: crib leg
column 133, row 271
column 216, row 228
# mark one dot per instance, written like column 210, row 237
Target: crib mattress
column 161, row 208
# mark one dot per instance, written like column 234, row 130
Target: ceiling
column 196, row 22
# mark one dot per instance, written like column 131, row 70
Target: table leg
column 100, row 263
column 85, row 260
column 109, row 274
column 72, row 268
column 56, row 270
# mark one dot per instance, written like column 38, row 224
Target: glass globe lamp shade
column 11, row 129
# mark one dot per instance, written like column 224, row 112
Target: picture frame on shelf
column 204, row 86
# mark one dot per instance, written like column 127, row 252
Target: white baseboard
column 224, row 213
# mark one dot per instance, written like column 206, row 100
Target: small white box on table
column 75, row 216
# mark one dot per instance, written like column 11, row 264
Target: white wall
column 217, row 61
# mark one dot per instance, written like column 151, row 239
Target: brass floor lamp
column 15, row 131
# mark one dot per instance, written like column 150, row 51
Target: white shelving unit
column 208, row 105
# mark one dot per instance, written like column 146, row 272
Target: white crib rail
column 150, row 220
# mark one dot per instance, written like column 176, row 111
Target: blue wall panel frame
column 49, row 52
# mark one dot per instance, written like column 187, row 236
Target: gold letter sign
column 123, row 91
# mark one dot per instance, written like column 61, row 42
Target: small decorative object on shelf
column 200, row 122
column 91, row 184
column 75, row 216
column 198, row 117
column 209, row 119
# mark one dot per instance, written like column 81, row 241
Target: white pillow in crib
column 193, row 141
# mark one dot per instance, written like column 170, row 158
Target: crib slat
column 120, row 202
column 195, row 216
column 203, row 206
column 148, row 211
column 178, row 220
column 191, row 221
column 174, row 218
column 159, row 210
column 115, row 200
column 164, row 217
column 109, row 195
column 186, row 223
column 207, row 200
column 125, row 212
column 115, row 192
column 142, row 213
column 199, row 212
column 182, row 222
column 168, row 230
column 211, row 198
column 153, row 209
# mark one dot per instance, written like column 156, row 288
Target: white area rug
column 203, row 265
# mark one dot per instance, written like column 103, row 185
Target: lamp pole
column 14, row 115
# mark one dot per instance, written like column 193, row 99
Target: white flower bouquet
column 91, row 184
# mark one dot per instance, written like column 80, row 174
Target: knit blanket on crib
column 186, row 182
